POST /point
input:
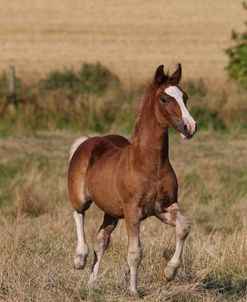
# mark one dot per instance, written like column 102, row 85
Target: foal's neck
column 150, row 139
column 152, row 148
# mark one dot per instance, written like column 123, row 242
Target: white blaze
column 177, row 94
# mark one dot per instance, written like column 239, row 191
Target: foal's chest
column 156, row 198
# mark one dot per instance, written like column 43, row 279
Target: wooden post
column 12, row 86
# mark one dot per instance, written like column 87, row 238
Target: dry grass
column 37, row 246
column 130, row 37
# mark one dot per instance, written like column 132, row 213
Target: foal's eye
column 164, row 99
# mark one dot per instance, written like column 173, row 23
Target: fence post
column 12, row 86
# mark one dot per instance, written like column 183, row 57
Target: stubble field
column 129, row 37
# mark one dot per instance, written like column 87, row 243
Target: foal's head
column 171, row 103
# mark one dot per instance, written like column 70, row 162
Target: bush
column 96, row 78
column 60, row 79
column 237, row 65
column 91, row 79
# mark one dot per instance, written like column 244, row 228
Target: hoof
column 92, row 279
column 80, row 262
column 170, row 272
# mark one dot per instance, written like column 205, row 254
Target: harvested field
column 130, row 37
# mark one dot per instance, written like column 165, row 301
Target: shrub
column 237, row 54
column 91, row 79
column 96, row 78
column 60, row 79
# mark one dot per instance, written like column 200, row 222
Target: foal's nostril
column 186, row 130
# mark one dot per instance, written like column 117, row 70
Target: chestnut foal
column 133, row 180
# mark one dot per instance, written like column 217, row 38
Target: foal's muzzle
column 187, row 130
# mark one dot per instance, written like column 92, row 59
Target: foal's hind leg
column 102, row 243
column 79, row 216
column 173, row 216
column 82, row 247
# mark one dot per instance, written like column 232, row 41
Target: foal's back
column 92, row 173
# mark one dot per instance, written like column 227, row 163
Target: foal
column 133, row 180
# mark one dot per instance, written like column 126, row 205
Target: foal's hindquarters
column 82, row 157
column 80, row 200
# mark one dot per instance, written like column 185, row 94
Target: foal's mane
column 146, row 100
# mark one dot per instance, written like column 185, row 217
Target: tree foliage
column 237, row 65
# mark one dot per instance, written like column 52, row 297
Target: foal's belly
column 107, row 200
column 102, row 188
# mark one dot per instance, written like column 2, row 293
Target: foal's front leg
column 134, row 250
column 174, row 217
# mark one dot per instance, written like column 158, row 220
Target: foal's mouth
column 186, row 131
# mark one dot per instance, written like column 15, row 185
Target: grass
column 38, row 235
column 7, row 174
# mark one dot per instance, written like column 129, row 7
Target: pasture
column 130, row 38
column 38, row 236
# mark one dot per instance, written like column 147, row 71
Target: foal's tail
column 76, row 144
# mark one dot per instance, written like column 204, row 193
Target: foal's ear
column 175, row 78
column 160, row 77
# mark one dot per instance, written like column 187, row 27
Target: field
column 62, row 93
column 38, row 234
column 131, row 37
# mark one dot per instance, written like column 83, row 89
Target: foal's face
column 171, row 103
